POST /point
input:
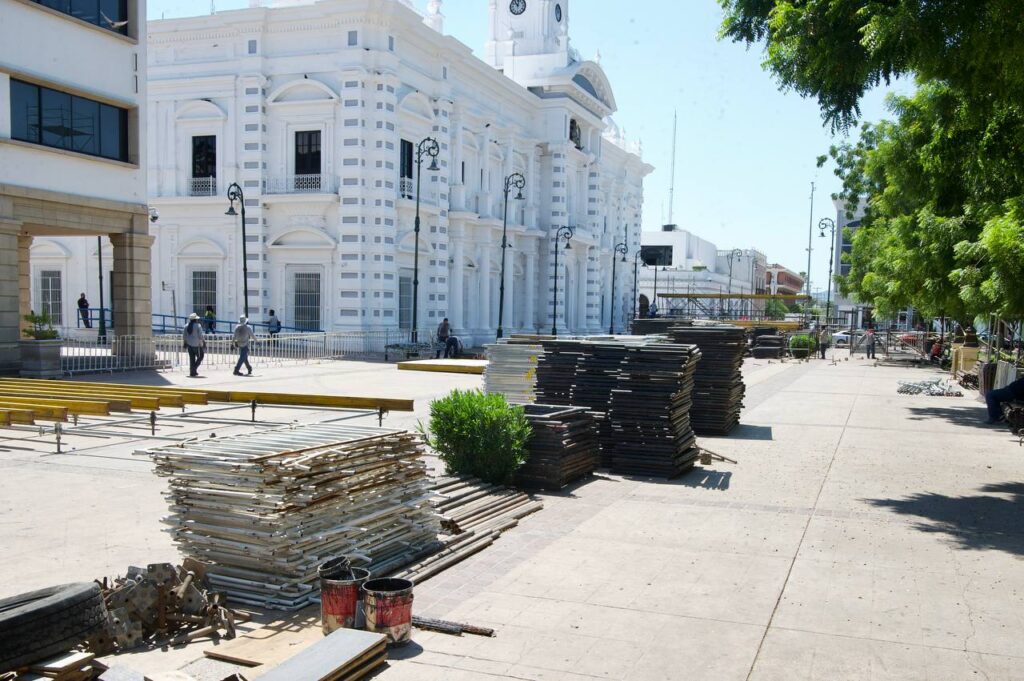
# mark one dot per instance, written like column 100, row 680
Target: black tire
column 40, row 624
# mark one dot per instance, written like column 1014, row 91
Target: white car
column 841, row 339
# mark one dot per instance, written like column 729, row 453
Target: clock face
column 517, row 7
column 558, row 13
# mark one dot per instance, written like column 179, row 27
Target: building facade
column 323, row 115
column 782, row 281
column 676, row 261
column 72, row 163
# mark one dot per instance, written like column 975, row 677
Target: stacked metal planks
column 265, row 509
column 650, row 411
column 718, row 386
column 512, row 370
column 562, row 448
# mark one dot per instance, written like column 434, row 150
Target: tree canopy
column 943, row 181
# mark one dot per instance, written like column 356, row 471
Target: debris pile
column 718, row 388
column 769, row 347
column 563, row 446
column 970, row 381
column 264, row 509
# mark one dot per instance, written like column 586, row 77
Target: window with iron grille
column 204, row 290
column 307, row 152
column 306, row 301
column 204, row 156
column 405, row 301
column 51, row 295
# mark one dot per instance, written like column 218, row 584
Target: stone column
column 484, row 267
column 10, row 294
column 457, row 283
column 530, row 292
column 510, row 268
column 458, row 187
column 24, row 276
column 130, row 288
column 581, row 295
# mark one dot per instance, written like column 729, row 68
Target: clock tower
column 529, row 33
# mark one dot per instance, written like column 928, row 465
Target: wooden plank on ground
column 70, row 400
column 83, row 407
column 38, row 411
column 269, row 645
column 187, row 395
column 446, row 366
column 21, row 416
column 332, row 657
column 127, row 400
column 330, row 401
column 63, row 662
column 167, row 399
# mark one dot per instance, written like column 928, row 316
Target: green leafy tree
column 776, row 309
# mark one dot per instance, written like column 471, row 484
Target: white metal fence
column 167, row 352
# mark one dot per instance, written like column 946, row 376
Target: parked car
column 841, row 339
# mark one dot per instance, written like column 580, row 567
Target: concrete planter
column 41, row 359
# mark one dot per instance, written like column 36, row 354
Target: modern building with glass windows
column 319, row 111
column 72, row 164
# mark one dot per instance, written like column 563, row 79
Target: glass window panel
column 204, row 156
column 59, row 5
column 113, row 132
column 85, row 124
column 204, row 290
column 306, row 300
column 51, row 295
column 86, row 10
column 24, row 111
column 307, row 152
column 56, row 115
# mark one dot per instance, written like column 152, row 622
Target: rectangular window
column 204, row 290
column 406, row 159
column 51, row 296
column 306, row 300
column 307, row 152
column 391, row 43
column 353, row 38
column 109, row 14
column 252, row 47
column 204, row 156
column 57, row 119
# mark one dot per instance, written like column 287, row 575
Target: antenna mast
column 672, row 181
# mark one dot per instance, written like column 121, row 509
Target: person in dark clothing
column 870, row 342
column 83, row 311
column 193, row 339
column 452, row 347
column 210, row 319
column 444, row 331
column 996, row 398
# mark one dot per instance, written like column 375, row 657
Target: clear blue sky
column 746, row 152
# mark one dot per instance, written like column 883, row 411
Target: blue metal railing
column 165, row 323
column 91, row 318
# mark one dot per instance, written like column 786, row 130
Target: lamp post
column 562, row 233
column 618, row 249
column 636, row 292
column 829, row 224
column 235, row 194
column 427, row 147
column 517, row 181
column 735, row 253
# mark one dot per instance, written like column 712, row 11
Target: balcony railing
column 407, row 188
column 301, row 184
column 202, row 186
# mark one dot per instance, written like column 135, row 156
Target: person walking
column 995, row 399
column 242, row 338
column 870, row 342
column 83, row 311
column 824, row 341
column 194, row 341
column 210, row 319
column 444, row 330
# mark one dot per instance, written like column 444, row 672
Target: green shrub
column 42, row 327
column 803, row 342
column 478, row 434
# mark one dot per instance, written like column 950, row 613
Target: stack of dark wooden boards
column 563, row 447
column 637, row 390
column 718, row 388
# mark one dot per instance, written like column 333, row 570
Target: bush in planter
column 478, row 434
column 802, row 345
column 42, row 327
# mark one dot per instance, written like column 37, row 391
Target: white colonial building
column 317, row 111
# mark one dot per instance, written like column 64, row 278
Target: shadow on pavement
column 745, row 432
column 988, row 521
column 971, row 416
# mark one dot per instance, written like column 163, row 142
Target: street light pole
column 636, row 292
column 829, row 224
column 562, row 233
column 518, row 181
column 810, row 242
column 619, row 249
column 235, row 194
column 429, row 147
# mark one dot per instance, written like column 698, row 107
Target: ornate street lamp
column 235, row 194
column 516, row 181
column 567, row 234
column 736, row 253
column 830, row 225
column 619, row 249
column 428, row 147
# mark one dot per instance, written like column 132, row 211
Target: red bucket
column 339, row 594
column 388, row 607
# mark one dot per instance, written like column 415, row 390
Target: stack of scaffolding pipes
column 474, row 514
column 265, row 509
column 512, row 371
